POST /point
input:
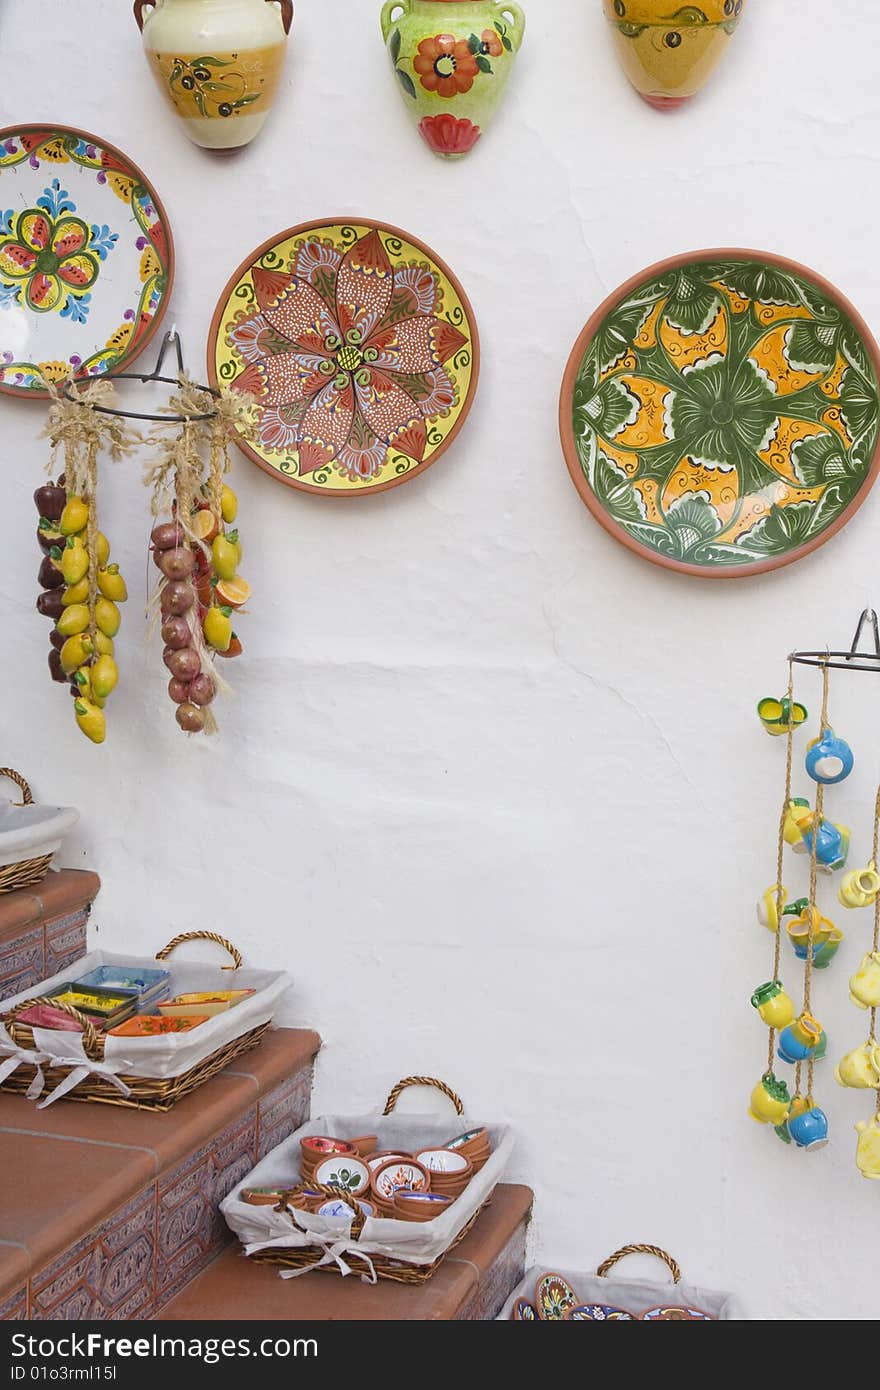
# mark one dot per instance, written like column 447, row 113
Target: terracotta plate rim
column 352, row 221
column 566, row 400
column 52, row 127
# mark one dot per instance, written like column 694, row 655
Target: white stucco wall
column 491, row 788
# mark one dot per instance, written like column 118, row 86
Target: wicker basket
column 308, row 1256
column 28, row 871
column 146, row 1092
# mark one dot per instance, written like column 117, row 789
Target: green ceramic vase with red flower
column 452, row 60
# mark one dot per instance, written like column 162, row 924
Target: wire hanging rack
column 852, row 660
column 170, row 340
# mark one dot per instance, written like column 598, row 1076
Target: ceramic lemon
column 669, row 51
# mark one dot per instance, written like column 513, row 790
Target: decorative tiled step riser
column 496, row 1283
column 154, row 1244
column 43, row 928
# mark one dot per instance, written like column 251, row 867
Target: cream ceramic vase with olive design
column 668, row 51
column 452, row 60
column 218, row 62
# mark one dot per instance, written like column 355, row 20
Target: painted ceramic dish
column 320, row 1144
column 86, row 258
column 719, row 413
column 597, row 1312
column 523, row 1311
column 385, row 1156
column 553, row 1297
column 346, row 1172
column 117, row 977
column 443, row 1161
column 360, row 348
column 154, row 1026
column 393, row 1175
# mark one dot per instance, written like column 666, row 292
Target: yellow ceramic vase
column 668, row 50
column 218, row 62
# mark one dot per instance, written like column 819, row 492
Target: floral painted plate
column 719, row 413
column 86, row 258
column 523, row 1311
column 553, row 1297
column 361, row 349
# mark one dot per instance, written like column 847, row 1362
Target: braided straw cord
column 396, row 1091
column 672, row 1265
column 876, row 937
column 780, row 850
column 91, row 1043
column 21, row 783
column 202, row 936
column 814, row 875
column 330, row 1191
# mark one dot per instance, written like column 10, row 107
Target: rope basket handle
column 672, row 1265
column 91, row 1045
column 396, row 1092
column 202, row 936
column 330, row 1191
column 21, row 783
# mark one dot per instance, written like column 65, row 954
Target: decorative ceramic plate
column 523, row 1311
column 86, row 258
column 719, row 413
column 345, row 1171
column 361, row 349
column 553, row 1297
column 597, row 1312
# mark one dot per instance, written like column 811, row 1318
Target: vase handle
column 391, row 12
column 139, row 7
column 286, row 13
column 510, row 11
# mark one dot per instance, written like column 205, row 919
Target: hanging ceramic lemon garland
column 81, row 589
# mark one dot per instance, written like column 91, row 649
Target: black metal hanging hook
column 853, row 660
column 170, row 340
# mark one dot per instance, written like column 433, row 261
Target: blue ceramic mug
column 829, row 759
column 809, row 1130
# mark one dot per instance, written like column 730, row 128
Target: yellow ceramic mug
column 859, row 1068
column 864, row 987
column 860, row 887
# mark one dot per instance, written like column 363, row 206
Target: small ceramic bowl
column 335, row 1206
column 318, row 1146
column 445, row 1161
column 419, row 1206
column 351, row 1174
column 396, row 1173
column 262, row 1196
column 365, row 1144
column 474, row 1144
column 385, row 1156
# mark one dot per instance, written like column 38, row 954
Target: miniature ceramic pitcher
column 668, row 51
column 218, row 62
column 868, row 1148
column 859, row 1067
column 864, row 986
column 452, row 60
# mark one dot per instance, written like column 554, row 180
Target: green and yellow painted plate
column 359, row 348
column 719, row 413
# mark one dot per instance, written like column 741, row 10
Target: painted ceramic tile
column 85, row 257
column 22, row 963
column 720, row 414
column 190, row 1227
column 109, row 1274
column 493, row 1289
column 15, row 1308
column 66, row 940
column 283, row 1110
column 360, row 348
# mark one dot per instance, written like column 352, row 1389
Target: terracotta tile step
column 472, row 1283
column 43, row 929
column 117, row 1208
